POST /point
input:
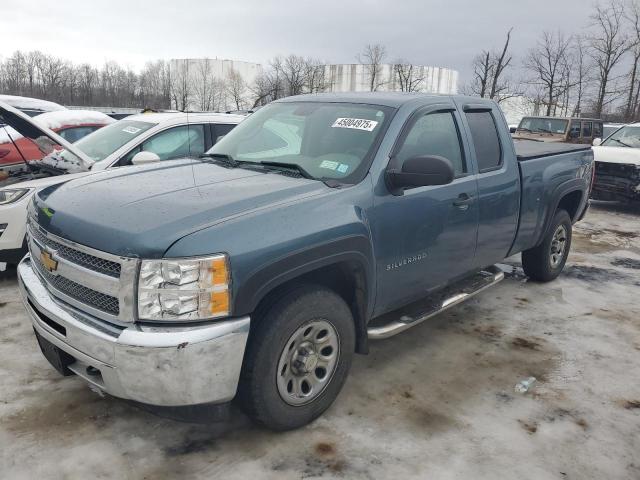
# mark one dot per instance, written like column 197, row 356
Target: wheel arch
column 569, row 196
column 344, row 266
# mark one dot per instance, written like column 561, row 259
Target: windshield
column 625, row 137
column 325, row 140
column 103, row 142
column 544, row 125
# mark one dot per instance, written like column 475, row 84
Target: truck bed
column 544, row 168
column 530, row 149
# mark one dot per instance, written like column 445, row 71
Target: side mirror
column 420, row 171
column 143, row 157
column 597, row 142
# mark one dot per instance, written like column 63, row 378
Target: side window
column 74, row 134
column 220, row 130
column 172, row 143
column 597, row 130
column 575, row 130
column 586, row 129
column 485, row 140
column 435, row 134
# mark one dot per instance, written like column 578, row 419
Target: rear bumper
column 160, row 366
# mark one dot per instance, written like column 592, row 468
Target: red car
column 71, row 125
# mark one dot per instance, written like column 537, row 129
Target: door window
column 586, row 129
column 485, row 140
column 221, row 129
column 597, row 130
column 74, row 134
column 435, row 134
column 186, row 140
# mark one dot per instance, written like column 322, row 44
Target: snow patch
column 28, row 103
column 65, row 118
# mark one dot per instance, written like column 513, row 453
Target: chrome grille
column 91, row 262
column 96, row 283
column 105, row 303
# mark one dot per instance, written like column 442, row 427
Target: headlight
column 184, row 289
column 10, row 195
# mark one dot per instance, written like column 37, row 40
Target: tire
column 544, row 263
column 281, row 356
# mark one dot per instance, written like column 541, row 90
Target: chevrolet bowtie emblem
column 48, row 262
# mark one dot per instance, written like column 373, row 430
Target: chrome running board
column 398, row 321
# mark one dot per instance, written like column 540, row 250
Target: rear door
column 426, row 236
column 498, row 182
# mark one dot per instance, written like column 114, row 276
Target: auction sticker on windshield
column 131, row 129
column 356, row 123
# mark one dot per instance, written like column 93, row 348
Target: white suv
column 136, row 139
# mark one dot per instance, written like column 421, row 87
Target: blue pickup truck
column 256, row 271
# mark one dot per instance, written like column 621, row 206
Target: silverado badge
column 48, row 262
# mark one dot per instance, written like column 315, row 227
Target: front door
column 426, row 236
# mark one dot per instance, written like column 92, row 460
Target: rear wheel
column 545, row 262
column 297, row 359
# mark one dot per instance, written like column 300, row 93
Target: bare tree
column 203, row 85
column 608, row 44
column 482, row 74
column 547, row 64
column 490, row 79
column 315, row 78
column 632, row 15
column 236, row 88
column 410, row 78
column 372, row 58
column 180, row 85
column 501, row 64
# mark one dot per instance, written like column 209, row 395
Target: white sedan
column 136, row 139
column 617, row 166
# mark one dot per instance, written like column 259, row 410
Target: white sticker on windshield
column 329, row 164
column 131, row 129
column 357, row 123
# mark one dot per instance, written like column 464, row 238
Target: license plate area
column 59, row 359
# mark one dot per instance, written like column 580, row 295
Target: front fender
column 352, row 248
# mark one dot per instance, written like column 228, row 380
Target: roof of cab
column 390, row 99
column 170, row 117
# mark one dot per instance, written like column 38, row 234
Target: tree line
column 184, row 84
column 595, row 73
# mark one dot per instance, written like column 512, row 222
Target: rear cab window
column 486, row 141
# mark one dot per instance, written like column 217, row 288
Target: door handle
column 463, row 201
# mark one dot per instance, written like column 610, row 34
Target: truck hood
column 141, row 211
column 630, row 156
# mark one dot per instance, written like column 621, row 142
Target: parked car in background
column 558, row 129
column 140, row 138
column 617, row 165
column 30, row 106
column 72, row 125
column 259, row 271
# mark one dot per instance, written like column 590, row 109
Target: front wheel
column 545, row 262
column 297, row 359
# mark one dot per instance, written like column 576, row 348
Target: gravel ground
column 435, row 402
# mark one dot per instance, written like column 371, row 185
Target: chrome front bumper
column 163, row 366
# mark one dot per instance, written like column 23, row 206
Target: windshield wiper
column 291, row 166
column 543, row 130
column 221, row 157
column 621, row 142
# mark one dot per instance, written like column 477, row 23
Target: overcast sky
column 431, row 32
